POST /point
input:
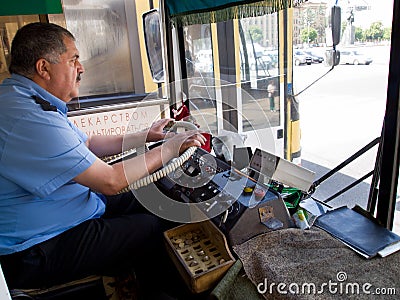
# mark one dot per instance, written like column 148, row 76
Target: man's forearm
column 103, row 145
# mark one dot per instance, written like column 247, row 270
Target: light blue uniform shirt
column 40, row 153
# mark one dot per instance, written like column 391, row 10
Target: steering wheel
column 171, row 166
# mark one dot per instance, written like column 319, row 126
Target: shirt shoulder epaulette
column 46, row 106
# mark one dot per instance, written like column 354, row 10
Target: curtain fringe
column 222, row 14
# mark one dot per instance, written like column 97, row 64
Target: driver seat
column 93, row 287
column 89, row 288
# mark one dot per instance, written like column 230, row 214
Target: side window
column 100, row 28
column 8, row 28
column 200, row 73
column 259, row 69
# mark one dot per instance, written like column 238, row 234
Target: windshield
column 344, row 111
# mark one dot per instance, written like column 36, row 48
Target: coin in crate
column 201, row 254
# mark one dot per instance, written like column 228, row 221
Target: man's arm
column 110, row 179
column 103, row 145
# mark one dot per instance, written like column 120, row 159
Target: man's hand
column 156, row 131
column 177, row 144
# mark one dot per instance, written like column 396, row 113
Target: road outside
column 339, row 115
column 344, row 110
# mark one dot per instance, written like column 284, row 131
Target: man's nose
column 81, row 69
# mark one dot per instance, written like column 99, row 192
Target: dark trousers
column 126, row 237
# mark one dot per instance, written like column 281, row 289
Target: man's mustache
column 78, row 78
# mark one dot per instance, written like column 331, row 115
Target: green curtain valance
column 188, row 12
column 30, row 7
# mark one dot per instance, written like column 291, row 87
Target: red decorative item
column 181, row 113
column 207, row 145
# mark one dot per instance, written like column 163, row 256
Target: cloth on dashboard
column 314, row 265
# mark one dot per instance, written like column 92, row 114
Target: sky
column 381, row 10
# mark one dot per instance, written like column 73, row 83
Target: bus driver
column 53, row 227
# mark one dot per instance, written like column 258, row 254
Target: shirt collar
column 41, row 92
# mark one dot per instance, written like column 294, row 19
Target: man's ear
column 42, row 68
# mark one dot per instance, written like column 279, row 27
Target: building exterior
column 310, row 15
column 268, row 25
column 307, row 15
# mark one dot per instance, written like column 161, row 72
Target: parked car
column 263, row 63
column 354, row 57
column 273, row 55
column 301, row 58
column 315, row 57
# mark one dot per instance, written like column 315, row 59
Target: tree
column 309, row 35
column 375, row 31
column 387, row 34
column 256, row 34
column 359, row 34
